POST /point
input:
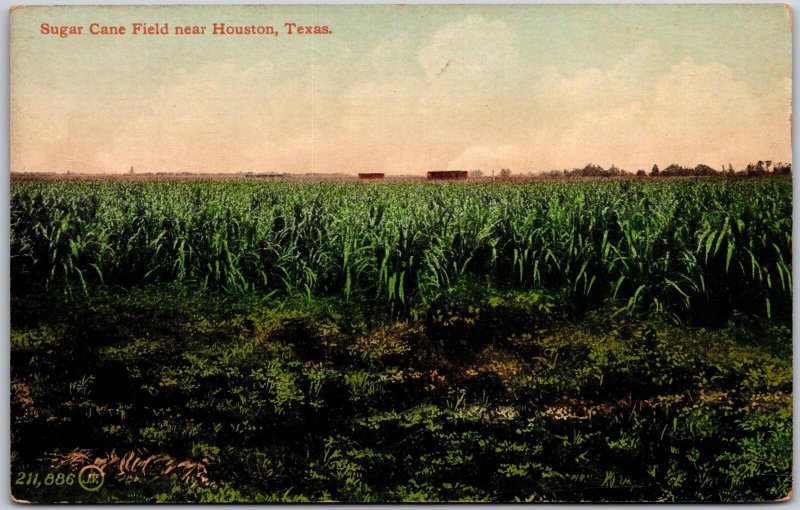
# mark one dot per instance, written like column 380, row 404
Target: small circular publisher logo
column 91, row 478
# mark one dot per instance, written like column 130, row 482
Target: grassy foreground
column 620, row 367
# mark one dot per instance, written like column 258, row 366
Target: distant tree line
column 761, row 168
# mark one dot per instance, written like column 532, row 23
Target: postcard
column 401, row 253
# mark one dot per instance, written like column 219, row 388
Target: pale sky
column 403, row 89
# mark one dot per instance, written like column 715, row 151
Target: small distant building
column 448, row 175
column 371, row 176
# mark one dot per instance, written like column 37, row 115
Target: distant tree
column 755, row 169
column 505, row 172
column 704, row 170
column 730, row 169
column 676, row 170
column 592, row 170
column 655, row 170
column 476, row 173
column 641, row 173
column 782, row 169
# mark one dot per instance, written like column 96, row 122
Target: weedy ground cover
column 229, row 341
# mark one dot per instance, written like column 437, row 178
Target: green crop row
column 685, row 250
